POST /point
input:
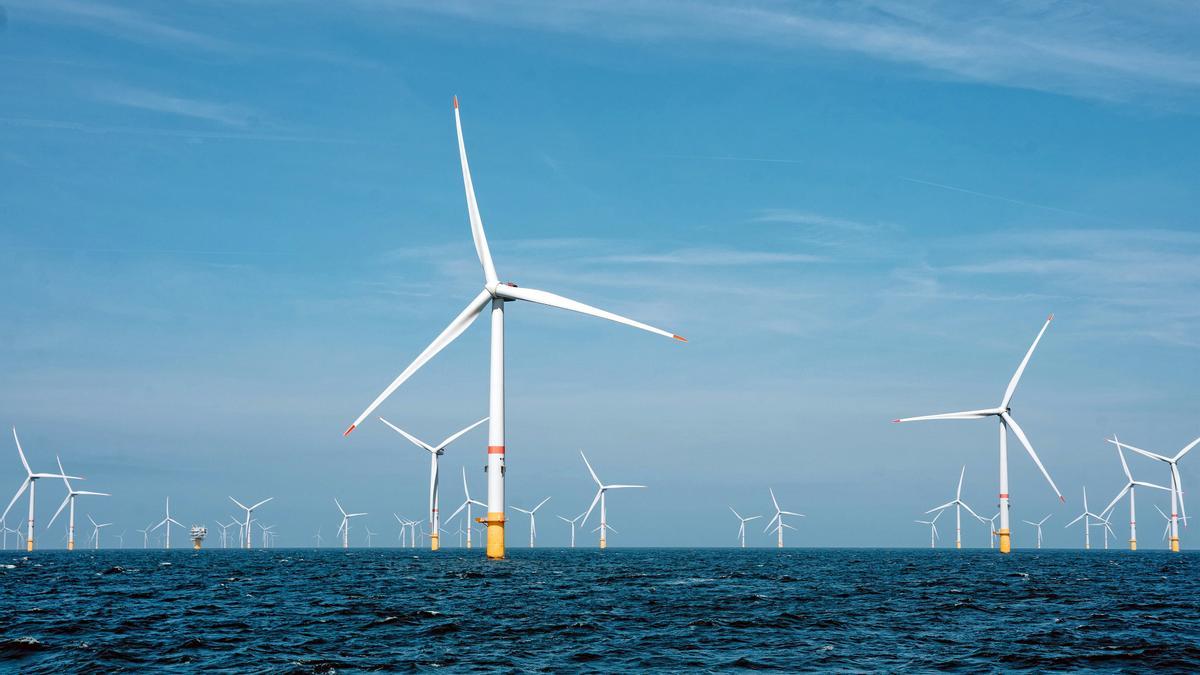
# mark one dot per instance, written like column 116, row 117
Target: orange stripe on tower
column 1003, row 495
column 495, row 449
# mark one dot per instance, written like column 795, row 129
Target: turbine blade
column 412, row 439
column 1187, row 449
column 958, row 493
column 481, row 245
column 589, row 468
column 61, row 506
column 21, row 452
column 1116, row 499
column 455, row 436
column 965, row 415
column 24, row 486
column 620, row 487
column 240, row 505
column 1179, row 489
column 773, row 500
column 1012, row 384
column 552, row 300
column 1146, row 453
column 589, row 511
column 534, row 509
column 63, row 471
column 261, row 503
column 1016, row 428
column 1124, row 464
column 451, row 332
column 739, row 516
column 943, row 506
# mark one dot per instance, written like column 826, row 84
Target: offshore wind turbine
column 249, row 531
column 224, row 527
column 435, row 453
column 145, row 537
column 370, row 535
column 958, row 505
column 778, row 519
column 1130, row 487
column 571, row 522
column 70, row 498
column 1106, row 529
column 933, row 533
column 168, row 521
column 467, row 504
column 601, row 496
column 121, row 539
column 344, row 528
column 1038, row 525
column 1003, row 413
column 1176, row 484
column 742, row 525
column 532, row 513
column 494, row 294
column 317, row 536
column 30, row 483
column 1086, row 516
column 95, row 538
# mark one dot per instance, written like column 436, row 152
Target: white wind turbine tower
column 370, row 536
column 777, row 519
column 1176, row 484
column 247, row 530
column 317, row 536
column 70, row 499
column 30, row 483
column 403, row 529
column 991, row 522
column 571, row 522
column 168, row 521
column 266, row 533
column 958, row 505
column 1167, row 529
column 435, row 525
column 146, row 536
column 933, row 533
column 494, row 294
column 742, row 525
column 344, row 528
column 467, row 504
column 532, row 513
column 121, row 539
column 95, row 538
column 1086, row 516
column 1038, row 525
column 1004, row 414
column 1130, row 487
column 1106, row 529
column 601, row 497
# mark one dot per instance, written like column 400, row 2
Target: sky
column 225, row 227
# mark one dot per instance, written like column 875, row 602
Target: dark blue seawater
column 632, row 610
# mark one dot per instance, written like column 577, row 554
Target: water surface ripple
column 632, row 610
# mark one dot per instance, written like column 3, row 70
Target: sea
column 586, row 610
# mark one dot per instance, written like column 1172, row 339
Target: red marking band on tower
column 495, row 449
column 1003, row 495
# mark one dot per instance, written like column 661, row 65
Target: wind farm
column 435, row 264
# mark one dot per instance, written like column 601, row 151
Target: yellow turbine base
column 70, row 545
column 433, row 542
column 29, row 545
column 495, row 534
column 1133, row 544
column 958, row 544
column 1174, row 545
column 195, row 544
column 603, row 543
column 1005, row 541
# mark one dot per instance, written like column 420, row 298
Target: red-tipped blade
column 680, row 338
column 352, row 427
column 456, row 102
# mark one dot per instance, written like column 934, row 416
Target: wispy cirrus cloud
column 121, row 22
column 1111, row 51
column 145, row 99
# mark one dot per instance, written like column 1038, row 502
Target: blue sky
column 224, row 228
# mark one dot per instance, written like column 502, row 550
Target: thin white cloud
column 1113, row 51
column 116, row 21
column 145, row 99
column 712, row 257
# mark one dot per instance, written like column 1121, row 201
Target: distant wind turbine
column 247, row 530
column 777, row 520
column 1038, row 525
column 467, row 504
column 933, row 533
column 1086, row 516
column 95, row 538
column 70, row 499
column 571, row 522
column 532, row 513
column 1176, row 484
column 168, row 521
column 601, row 495
column 741, row 535
column 1130, row 486
column 1003, row 413
column 958, row 505
column 344, row 529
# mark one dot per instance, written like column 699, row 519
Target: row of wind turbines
column 1003, row 413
